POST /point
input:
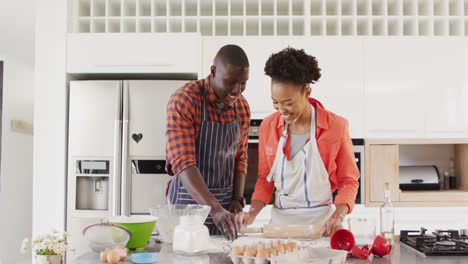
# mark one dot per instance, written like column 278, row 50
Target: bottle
column 446, row 180
column 452, row 178
column 387, row 216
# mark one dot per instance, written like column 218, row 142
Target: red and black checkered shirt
column 184, row 117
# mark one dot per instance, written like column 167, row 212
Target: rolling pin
column 285, row 231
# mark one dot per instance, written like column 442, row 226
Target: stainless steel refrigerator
column 116, row 150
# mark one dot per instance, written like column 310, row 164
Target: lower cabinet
column 383, row 167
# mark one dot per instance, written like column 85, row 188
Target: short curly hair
column 293, row 66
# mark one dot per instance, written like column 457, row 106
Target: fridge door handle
column 115, row 204
column 125, row 191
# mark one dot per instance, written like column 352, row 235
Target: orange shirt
column 335, row 147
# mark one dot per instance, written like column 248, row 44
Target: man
column 207, row 133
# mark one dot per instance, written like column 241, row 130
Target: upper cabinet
column 415, row 87
column 134, row 53
column 447, row 109
column 447, row 96
column 394, row 73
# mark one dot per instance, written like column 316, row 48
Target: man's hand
column 226, row 222
column 235, row 207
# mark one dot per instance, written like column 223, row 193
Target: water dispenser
column 92, row 185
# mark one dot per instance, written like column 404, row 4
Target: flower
column 24, row 245
column 48, row 244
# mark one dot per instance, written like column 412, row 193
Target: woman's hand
column 333, row 224
column 248, row 218
column 255, row 208
column 335, row 221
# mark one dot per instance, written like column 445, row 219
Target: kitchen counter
column 400, row 254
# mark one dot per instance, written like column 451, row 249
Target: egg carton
column 287, row 257
column 255, row 245
column 303, row 255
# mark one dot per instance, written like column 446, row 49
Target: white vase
column 48, row 259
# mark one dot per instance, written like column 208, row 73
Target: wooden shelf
column 416, row 141
column 430, row 198
column 384, row 156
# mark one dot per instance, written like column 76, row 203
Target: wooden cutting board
column 285, row 231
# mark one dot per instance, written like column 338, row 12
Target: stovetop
column 438, row 243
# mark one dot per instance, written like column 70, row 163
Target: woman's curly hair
column 292, row 66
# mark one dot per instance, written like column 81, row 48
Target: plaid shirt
column 184, row 117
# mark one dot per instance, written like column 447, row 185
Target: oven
column 252, row 169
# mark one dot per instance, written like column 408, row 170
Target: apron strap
column 204, row 100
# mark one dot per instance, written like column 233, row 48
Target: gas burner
column 445, row 243
column 438, row 243
column 448, row 234
column 463, row 232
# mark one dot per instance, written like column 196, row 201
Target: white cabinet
column 401, row 58
column 416, row 87
column 258, row 49
column 340, row 88
column 447, row 109
column 133, row 53
column 394, row 109
column 395, row 71
column 446, row 104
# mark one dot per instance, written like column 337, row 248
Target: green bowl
column 141, row 227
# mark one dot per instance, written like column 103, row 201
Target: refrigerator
column 116, row 150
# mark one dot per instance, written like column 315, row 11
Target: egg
column 238, row 251
column 122, row 251
column 293, row 245
column 103, row 254
column 287, row 248
column 113, row 257
column 250, row 252
column 272, row 252
column 279, row 249
column 272, row 244
column 263, row 253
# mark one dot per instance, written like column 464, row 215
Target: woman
column 305, row 151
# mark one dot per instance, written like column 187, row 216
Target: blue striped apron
column 216, row 150
column 303, row 192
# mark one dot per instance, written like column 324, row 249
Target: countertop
column 400, row 254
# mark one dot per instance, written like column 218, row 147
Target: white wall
column 50, row 114
column 17, row 52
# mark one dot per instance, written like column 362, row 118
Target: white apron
column 303, row 192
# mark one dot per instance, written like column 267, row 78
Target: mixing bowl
column 141, row 227
column 169, row 217
column 105, row 235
